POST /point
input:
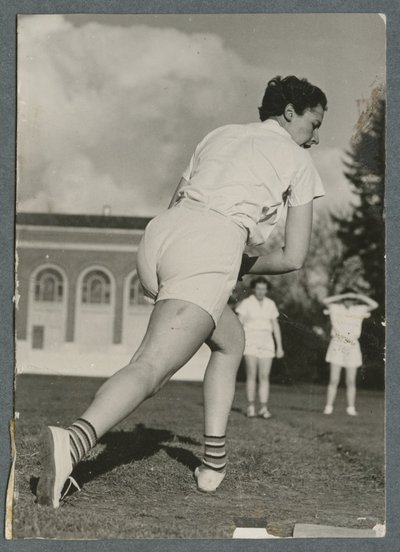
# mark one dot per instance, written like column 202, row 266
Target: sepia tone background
column 109, row 111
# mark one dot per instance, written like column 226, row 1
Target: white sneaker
column 351, row 411
column 328, row 409
column 55, row 459
column 251, row 411
column 208, row 480
column 264, row 413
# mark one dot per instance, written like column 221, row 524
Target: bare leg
column 175, row 332
column 251, row 363
column 333, row 384
column 351, row 386
column 226, row 344
column 263, row 374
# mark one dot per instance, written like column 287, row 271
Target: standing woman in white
column 347, row 312
column 232, row 193
column 259, row 317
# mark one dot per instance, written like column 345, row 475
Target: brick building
column 80, row 307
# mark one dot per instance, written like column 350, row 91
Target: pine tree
column 363, row 232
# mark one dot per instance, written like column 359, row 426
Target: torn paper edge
column 11, row 486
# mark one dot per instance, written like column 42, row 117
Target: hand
column 279, row 352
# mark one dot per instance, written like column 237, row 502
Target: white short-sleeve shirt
column 347, row 322
column 248, row 172
column 255, row 315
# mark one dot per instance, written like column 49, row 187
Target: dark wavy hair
column 290, row 90
column 259, row 280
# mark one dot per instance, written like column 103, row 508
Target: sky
column 110, row 108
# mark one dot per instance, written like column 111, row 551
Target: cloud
column 110, row 115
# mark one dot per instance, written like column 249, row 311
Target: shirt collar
column 272, row 124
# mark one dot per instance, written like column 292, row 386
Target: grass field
column 297, row 467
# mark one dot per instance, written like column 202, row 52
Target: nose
column 315, row 137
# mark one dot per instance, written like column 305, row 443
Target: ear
column 289, row 112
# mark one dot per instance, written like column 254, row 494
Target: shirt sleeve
column 306, row 184
column 274, row 310
column 363, row 311
column 332, row 309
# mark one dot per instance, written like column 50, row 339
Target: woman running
column 232, row 193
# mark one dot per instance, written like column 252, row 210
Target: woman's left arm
column 297, row 240
column 370, row 302
column 276, row 330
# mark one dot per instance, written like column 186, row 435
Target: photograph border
column 9, row 11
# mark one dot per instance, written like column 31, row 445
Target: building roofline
column 82, row 221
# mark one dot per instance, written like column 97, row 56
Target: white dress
column 257, row 318
column 344, row 347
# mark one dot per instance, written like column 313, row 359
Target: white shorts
column 191, row 253
column 344, row 353
column 259, row 343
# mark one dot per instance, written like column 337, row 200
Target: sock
column 82, row 437
column 214, row 452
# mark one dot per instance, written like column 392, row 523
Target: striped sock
column 82, row 437
column 214, row 452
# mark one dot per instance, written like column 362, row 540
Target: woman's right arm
column 334, row 298
column 297, row 240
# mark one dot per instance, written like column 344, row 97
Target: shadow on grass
column 125, row 447
column 239, row 410
column 305, row 409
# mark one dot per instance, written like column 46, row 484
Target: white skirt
column 344, row 353
column 259, row 343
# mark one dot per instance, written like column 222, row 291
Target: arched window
column 136, row 296
column 49, row 285
column 96, row 288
